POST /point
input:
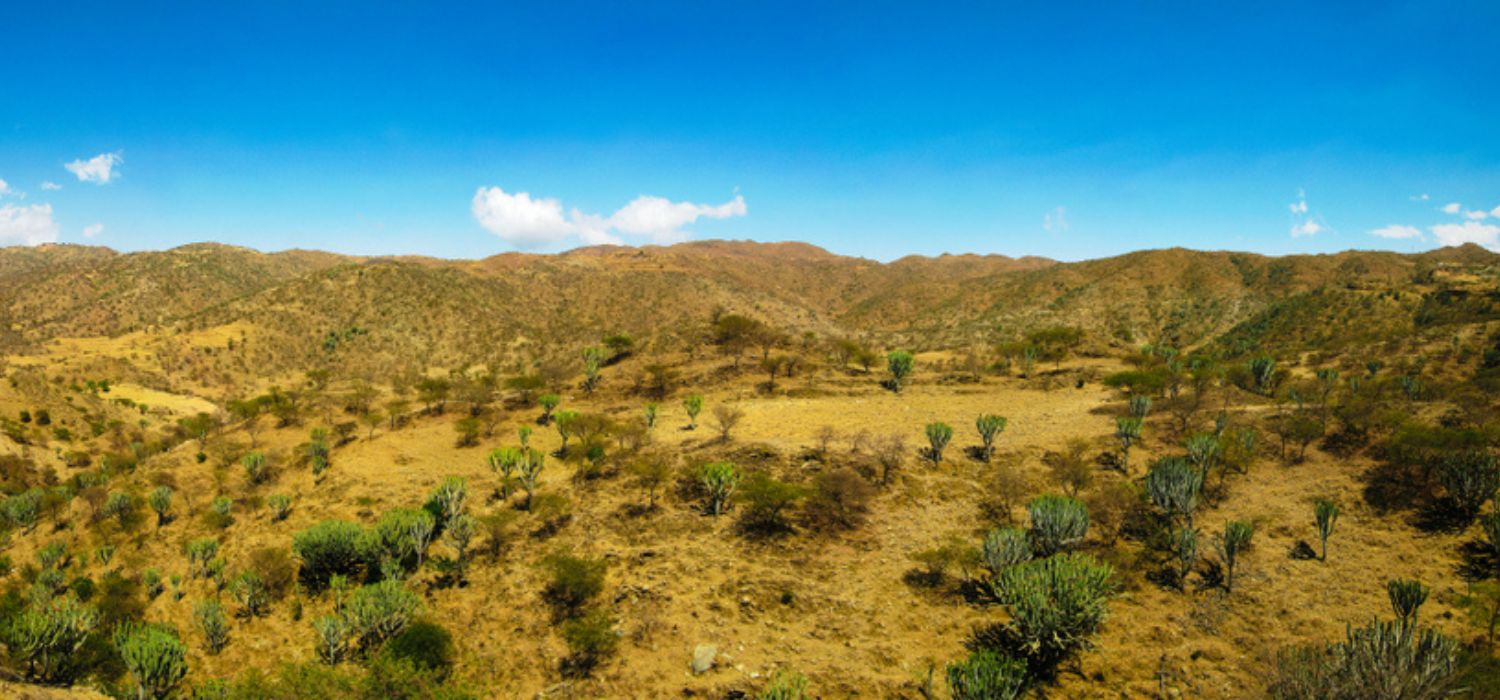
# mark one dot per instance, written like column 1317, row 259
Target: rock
column 703, row 657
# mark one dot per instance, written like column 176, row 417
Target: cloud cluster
column 4, row 188
column 1304, row 222
column 99, row 170
column 527, row 222
column 1056, row 221
column 27, row 225
column 1470, row 227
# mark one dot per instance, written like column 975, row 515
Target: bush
column 693, row 405
column 44, row 638
column 987, row 675
column 161, row 502
column 1056, row 605
column 785, row 685
column 332, row 547
column 199, row 553
column 1057, row 523
column 209, row 616
column 989, row 426
column 249, row 590
column 280, row 505
column 255, row 468
column 447, row 500
column 120, row 506
column 900, row 364
column 401, row 537
column 938, row 435
column 334, row 637
column 220, row 512
column 154, row 656
column 1236, row 539
column 839, row 501
column 727, row 417
column 379, row 611
column 1380, row 660
column 765, row 501
column 1470, row 478
column 1127, row 431
column 573, row 582
column 1004, row 548
column 426, row 645
column 591, row 638
column 719, row 479
column 1406, row 597
column 1174, row 486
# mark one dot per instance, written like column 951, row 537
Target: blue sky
column 875, row 129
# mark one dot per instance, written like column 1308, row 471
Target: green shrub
column 155, row 657
column 24, row 509
column 693, row 404
column 45, row 636
column 151, row 578
column 719, row 479
column 989, row 426
column 255, row 467
column 591, row 638
column 766, row 500
column 280, row 505
column 987, row 675
column 1057, row 523
column 530, row 470
column 209, row 616
column 1003, row 548
column 119, row 506
column 379, row 611
column 573, row 581
column 332, row 547
column 1236, row 539
column 161, row 502
column 1056, row 605
column 1406, row 597
column 1325, row 514
column 249, row 590
column 1470, row 478
column 424, row 644
column 900, row 364
column 402, row 536
column 1174, row 486
column 448, row 498
column 785, row 685
column 1203, row 452
column 1380, row 660
column 1127, row 431
column 1185, row 549
column 334, row 637
column 200, row 552
column 938, row 436
column 1140, row 405
column 220, row 512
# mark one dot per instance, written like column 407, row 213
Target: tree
column 1057, row 523
column 247, row 412
column 765, row 500
column 255, row 467
column 1071, row 467
column 1174, row 487
column 890, row 452
column 989, row 426
column 1127, row 431
column 693, row 404
column 1471, row 478
column 1185, row 547
column 1232, row 543
column 651, row 410
column 154, row 655
column 1482, row 603
column 530, row 468
column 900, row 364
column 620, row 346
column 593, row 359
column 209, row 616
column 1056, row 605
column 719, row 479
column 46, row 635
column 650, row 472
column 773, row 365
column 727, row 417
column 1325, row 514
column 938, row 435
column 161, row 502
column 504, row 461
column 1055, row 343
column 549, row 403
column 1406, row 597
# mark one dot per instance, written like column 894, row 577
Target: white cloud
column 1495, row 212
column 93, row 230
column 527, row 223
column 1397, row 231
column 1487, row 235
column 663, row 219
column 1476, row 215
column 1056, row 220
column 51, row 186
column 28, row 225
column 1451, row 208
column 1419, row 198
column 1304, row 223
column 4, row 188
column 1306, row 228
column 99, row 170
